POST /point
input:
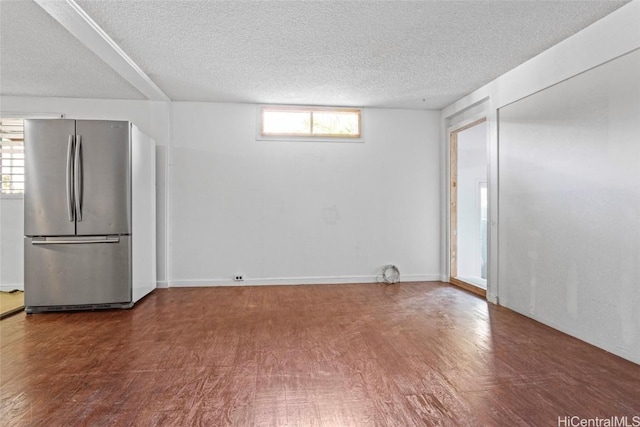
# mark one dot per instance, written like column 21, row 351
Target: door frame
column 453, row 209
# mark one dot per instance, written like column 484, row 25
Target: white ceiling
column 38, row 57
column 399, row 54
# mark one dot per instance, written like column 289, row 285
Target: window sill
column 11, row 196
column 308, row 139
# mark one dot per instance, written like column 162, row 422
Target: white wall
column 472, row 170
column 151, row 117
column 277, row 212
column 11, row 235
column 612, row 36
column 301, row 212
column 569, row 232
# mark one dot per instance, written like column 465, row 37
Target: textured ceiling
column 38, row 57
column 419, row 54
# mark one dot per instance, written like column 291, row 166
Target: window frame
column 24, row 116
column 308, row 137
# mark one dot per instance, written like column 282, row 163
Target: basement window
column 12, row 151
column 11, row 156
column 313, row 123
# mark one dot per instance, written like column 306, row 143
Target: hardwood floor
column 412, row 354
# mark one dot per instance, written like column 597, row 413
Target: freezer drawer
column 63, row 272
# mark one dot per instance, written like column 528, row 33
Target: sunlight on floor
column 11, row 302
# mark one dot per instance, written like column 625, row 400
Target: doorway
column 469, row 207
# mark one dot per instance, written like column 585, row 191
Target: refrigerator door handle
column 74, row 242
column 78, row 177
column 70, row 198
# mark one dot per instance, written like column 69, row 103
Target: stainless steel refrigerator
column 89, row 215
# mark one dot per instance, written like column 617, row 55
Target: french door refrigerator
column 89, row 215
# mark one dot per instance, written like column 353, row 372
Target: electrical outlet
column 238, row 278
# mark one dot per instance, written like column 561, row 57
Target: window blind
column 12, row 155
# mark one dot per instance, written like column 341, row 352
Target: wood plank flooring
column 412, row 354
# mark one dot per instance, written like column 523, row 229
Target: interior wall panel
column 569, row 206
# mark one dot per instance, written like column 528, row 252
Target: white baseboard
column 316, row 280
column 8, row 288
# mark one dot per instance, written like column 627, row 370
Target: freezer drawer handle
column 70, row 198
column 78, row 178
column 74, row 242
